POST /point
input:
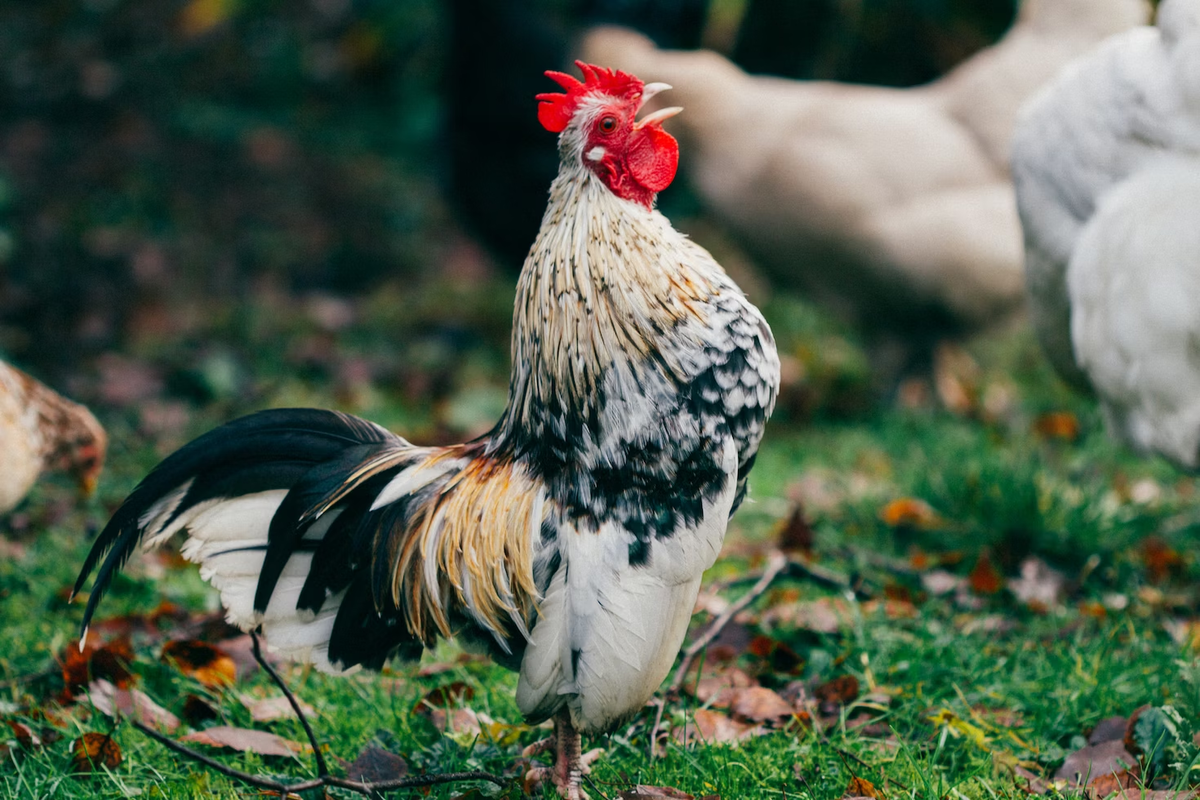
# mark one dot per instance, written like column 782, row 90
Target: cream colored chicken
column 894, row 205
column 42, row 430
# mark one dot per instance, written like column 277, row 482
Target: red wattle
column 653, row 158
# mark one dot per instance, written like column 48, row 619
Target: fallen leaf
column 1109, row 729
column 274, row 708
column 1112, row 783
column 984, row 579
column 455, row 693
column 209, row 665
column 1160, row 559
column 94, row 750
column 910, row 512
column 838, row 692
column 1034, row 784
column 197, row 710
column 1095, row 760
column 109, row 661
column 713, row 727
column 795, row 535
column 640, row 792
column 24, row 735
column 1060, row 425
column 825, row 615
column 717, row 689
column 374, row 764
column 759, row 704
column 133, row 703
column 860, row 787
column 245, row 740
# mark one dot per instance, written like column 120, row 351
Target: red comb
column 555, row 110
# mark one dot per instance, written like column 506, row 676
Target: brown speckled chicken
column 42, row 430
column 569, row 540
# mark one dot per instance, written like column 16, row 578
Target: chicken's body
column 40, row 430
column 893, row 206
column 571, row 540
column 1107, row 171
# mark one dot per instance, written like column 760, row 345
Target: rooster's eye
column 608, row 124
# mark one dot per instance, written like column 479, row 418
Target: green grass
column 995, row 484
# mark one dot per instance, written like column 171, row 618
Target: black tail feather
column 267, row 450
column 293, row 517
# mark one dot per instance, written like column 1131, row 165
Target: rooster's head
column 597, row 118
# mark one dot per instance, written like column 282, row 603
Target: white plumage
column 892, row 205
column 1106, row 163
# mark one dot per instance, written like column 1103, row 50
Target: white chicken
column 1106, row 163
column 893, row 205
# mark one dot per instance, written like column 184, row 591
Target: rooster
column 1107, row 169
column 570, row 540
column 42, row 430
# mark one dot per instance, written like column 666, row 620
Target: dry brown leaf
column 1161, row 559
column 109, row 661
column 133, row 703
column 197, row 710
column 1061, row 425
column 209, row 665
column 274, row 708
column 795, row 535
column 1109, row 729
column 713, row 727
column 94, row 750
column 245, row 740
column 824, row 615
column 1034, row 784
column 1112, row 783
column 909, row 512
column 861, row 787
column 24, row 735
column 759, row 704
column 452, row 694
column 840, row 691
column 1095, row 760
column 457, row 720
column 717, row 690
column 640, row 792
column 984, row 578
column 374, row 764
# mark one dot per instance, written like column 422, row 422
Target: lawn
column 906, row 646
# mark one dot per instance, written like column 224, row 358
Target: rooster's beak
column 649, row 91
column 87, row 485
column 658, row 117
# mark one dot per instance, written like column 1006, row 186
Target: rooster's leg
column 570, row 763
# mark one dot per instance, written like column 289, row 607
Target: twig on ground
column 361, row 787
column 775, row 565
column 318, row 756
column 367, row 788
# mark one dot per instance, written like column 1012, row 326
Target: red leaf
column 984, row 579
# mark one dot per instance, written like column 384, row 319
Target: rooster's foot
column 569, row 766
